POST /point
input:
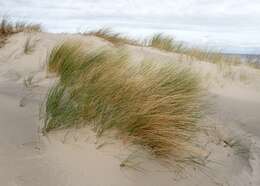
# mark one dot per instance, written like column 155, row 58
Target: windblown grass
column 8, row 27
column 166, row 43
column 216, row 57
column 29, row 45
column 61, row 111
column 156, row 106
column 112, row 37
column 65, row 54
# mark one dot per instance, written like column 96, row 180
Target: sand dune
column 75, row 157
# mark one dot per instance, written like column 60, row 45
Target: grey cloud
column 213, row 19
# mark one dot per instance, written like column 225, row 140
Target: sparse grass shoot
column 29, row 45
column 61, row 111
column 8, row 27
column 167, row 43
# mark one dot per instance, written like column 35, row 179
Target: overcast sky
column 230, row 25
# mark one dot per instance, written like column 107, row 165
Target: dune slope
column 76, row 157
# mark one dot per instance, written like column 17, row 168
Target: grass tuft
column 8, row 28
column 216, row 57
column 62, row 55
column 156, row 106
column 112, row 37
column 61, row 111
column 29, row 45
column 166, row 43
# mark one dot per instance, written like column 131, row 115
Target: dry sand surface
column 76, row 158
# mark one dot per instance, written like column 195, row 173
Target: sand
column 75, row 157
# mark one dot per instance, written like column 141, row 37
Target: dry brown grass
column 156, row 106
column 8, row 28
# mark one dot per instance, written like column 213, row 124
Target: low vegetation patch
column 154, row 105
column 211, row 56
column 8, row 28
column 169, row 44
column 166, row 43
column 29, row 45
column 112, row 37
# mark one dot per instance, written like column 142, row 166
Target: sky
column 228, row 25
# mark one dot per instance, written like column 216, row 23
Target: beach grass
column 169, row 44
column 164, row 42
column 9, row 27
column 29, row 45
column 61, row 111
column 112, row 37
column 155, row 106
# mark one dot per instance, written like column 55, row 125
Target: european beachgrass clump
column 112, row 37
column 8, row 28
column 164, row 42
column 155, row 105
column 169, row 44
